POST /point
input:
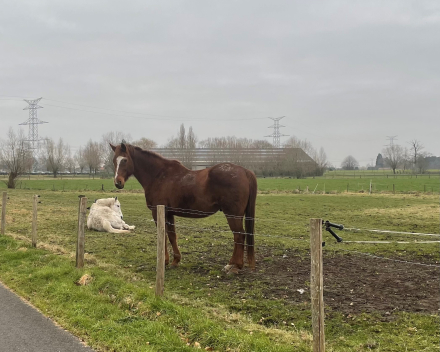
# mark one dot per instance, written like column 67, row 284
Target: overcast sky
column 346, row 74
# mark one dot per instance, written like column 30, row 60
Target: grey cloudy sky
column 346, row 74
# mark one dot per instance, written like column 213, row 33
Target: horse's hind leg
column 172, row 236
column 107, row 226
column 236, row 261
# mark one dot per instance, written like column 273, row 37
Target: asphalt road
column 24, row 329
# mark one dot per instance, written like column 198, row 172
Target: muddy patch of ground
column 355, row 283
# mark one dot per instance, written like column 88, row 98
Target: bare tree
column 261, row 144
column 294, row 142
column 181, row 137
column 185, row 145
column 321, row 161
column 191, row 143
column 349, row 163
column 80, row 159
column 416, row 147
column 422, row 162
column 145, row 143
column 93, row 156
column 70, row 162
column 407, row 159
column 191, row 139
column 106, row 152
column 14, row 156
column 394, row 156
column 54, row 155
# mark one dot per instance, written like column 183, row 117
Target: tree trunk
column 12, row 179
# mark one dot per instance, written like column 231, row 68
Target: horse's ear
column 112, row 146
column 123, row 147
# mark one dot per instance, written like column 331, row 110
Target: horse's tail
column 250, row 218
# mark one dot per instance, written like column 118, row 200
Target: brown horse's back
column 229, row 186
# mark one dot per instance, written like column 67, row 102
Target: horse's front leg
column 167, row 256
column 172, row 236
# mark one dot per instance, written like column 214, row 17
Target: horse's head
column 116, row 207
column 123, row 163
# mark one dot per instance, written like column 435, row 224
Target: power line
column 131, row 113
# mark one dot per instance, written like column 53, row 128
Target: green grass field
column 261, row 311
column 326, row 184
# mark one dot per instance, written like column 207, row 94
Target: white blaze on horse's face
column 118, row 162
column 122, row 172
column 123, row 164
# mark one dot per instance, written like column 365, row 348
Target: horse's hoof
column 175, row 264
column 231, row 269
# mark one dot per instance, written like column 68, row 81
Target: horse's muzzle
column 119, row 185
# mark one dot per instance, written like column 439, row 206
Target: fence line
column 398, row 242
column 392, row 232
column 385, row 258
column 229, row 231
column 199, row 212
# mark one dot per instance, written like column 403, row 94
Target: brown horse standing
column 193, row 194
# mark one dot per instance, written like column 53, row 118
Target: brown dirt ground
column 353, row 283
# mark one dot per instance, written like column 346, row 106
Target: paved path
column 24, row 329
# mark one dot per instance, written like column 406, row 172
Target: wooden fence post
column 80, row 244
column 160, row 266
column 317, row 285
column 34, row 221
column 5, row 196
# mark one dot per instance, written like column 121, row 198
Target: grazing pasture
column 327, row 184
column 376, row 298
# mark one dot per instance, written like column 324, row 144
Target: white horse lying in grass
column 106, row 215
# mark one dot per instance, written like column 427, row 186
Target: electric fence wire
column 354, row 229
column 385, row 258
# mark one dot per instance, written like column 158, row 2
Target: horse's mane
column 144, row 151
column 151, row 153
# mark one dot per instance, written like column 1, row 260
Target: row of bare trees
column 56, row 156
column 16, row 158
column 396, row 156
